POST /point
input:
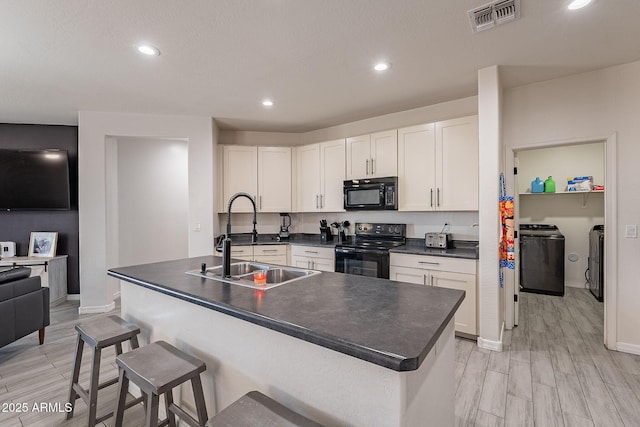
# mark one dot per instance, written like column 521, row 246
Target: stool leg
column 93, row 386
column 118, row 349
column 152, row 410
column 201, row 407
column 123, row 386
column 134, row 342
column 168, row 401
column 77, row 358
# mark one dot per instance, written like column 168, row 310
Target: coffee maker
column 284, row 227
column 325, row 232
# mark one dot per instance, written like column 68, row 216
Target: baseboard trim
column 73, row 297
column 628, row 348
column 491, row 344
column 575, row 284
column 97, row 308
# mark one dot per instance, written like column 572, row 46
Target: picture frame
column 43, row 243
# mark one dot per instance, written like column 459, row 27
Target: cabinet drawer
column 435, row 263
column 269, row 250
column 271, row 259
column 313, row 251
column 239, row 251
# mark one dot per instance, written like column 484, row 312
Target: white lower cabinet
column 453, row 273
column 313, row 257
column 269, row 254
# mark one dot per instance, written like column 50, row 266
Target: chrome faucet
column 225, row 246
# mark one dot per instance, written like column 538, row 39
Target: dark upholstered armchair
column 24, row 305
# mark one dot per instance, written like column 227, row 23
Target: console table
column 52, row 272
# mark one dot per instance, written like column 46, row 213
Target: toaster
column 437, row 240
column 7, row 249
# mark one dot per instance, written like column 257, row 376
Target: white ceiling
column 314, row 58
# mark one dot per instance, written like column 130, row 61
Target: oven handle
column 361, row 251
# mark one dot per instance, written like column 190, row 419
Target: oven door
column 362, row 262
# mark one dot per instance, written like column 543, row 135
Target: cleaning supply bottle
column 537, row 185
column 549, row 185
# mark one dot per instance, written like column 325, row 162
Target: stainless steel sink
column 242, row 274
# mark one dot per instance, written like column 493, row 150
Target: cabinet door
column 324, row 264
column 409, row 275
column 332, row 160
column 300, row 261
column 240, row 175
column 274, row 183
column 416, row 168
column 384, row 154
column 466, row 315
column 457, row 166
column 359, row 157
column 308, row 171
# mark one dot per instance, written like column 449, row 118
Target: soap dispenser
column 549, row 185
column 537, row 185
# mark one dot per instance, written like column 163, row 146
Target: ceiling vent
column 494, row 13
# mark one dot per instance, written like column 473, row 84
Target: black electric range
column 367, row 254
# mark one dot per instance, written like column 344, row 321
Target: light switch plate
column 631, row 231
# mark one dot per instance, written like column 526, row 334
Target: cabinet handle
column 310, row 252
column 260, row 202
column 438, row 197
column 308, row 263
column 321, row 202
column 424, row 281
column 427, row 262
column 237, row 252
column 432, row 197
column 373, row 169
column 317, row 205
column 432, row 280
column 367, row 167
column 269, row 250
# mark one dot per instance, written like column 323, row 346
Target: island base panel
column 327, row 386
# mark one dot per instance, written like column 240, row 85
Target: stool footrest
column 84, row 393
column 128, row 405
column 183, row 415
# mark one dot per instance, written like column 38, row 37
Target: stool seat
column 106, row 331
column 159, row 367
column 98, row 334
column 256, row 409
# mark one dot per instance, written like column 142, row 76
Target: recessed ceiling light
column 147, row 49
column 381, row 66
column 267, row 103
column 578, row 4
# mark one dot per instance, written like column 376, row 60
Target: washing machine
column 541, row 259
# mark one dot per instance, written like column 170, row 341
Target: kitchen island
column 343, row 350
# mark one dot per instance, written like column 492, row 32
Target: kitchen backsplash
column 462, row 225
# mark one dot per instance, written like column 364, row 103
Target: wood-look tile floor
column 554, row 372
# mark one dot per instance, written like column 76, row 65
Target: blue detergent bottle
column 537, row 185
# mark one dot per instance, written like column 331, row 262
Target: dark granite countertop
column 391, row 324
column 461, row 249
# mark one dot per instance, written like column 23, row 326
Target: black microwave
column 371, row 194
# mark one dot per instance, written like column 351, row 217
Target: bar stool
column 98, row 334
column 157, row 369
column 256, row 409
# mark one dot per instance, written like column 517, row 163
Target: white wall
column 574, row 214
column 153, row 200
column 94, row 129
column 588, row 107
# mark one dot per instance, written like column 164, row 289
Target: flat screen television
column 34, row 180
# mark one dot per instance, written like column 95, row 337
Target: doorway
column 585, row 202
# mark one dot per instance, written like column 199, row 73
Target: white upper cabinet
column 321, row 172
column 438, row 166
column 457, row 165
column 416, row 172
column 240, row 175
column 372, row 156
column 274, row 179
column 262, row 172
